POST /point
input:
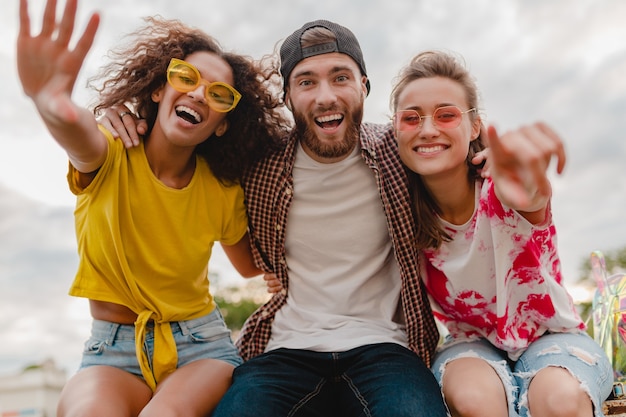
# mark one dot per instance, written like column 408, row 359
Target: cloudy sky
column 561, row 61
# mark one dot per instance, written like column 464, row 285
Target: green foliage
column 236, row 312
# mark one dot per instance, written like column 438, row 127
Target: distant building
column 34, row 392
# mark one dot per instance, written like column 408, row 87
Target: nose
column 325, row 93
column 199, row 93
column 427, row 127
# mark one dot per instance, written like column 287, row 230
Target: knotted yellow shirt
column 147, row 246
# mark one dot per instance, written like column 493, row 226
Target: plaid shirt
column 269, row 190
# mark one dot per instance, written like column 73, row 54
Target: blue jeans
column 576, row 352
column 382, row 380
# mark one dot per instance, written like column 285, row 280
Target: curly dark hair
column 429, row 64
column 139, row 69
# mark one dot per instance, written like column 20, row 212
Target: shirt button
column 278, row 226
column 288, row 191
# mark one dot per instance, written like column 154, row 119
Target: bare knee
column 471, row 387
column 555, row 392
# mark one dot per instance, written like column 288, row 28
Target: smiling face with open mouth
column 185, row 118
column 430, row 149
column 326, row 94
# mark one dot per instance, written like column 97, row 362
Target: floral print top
column 499, row 278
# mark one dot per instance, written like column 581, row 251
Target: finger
column 558, row 145
column 479, row 157
column 49, row 19
column 112, row 115
column 273, row 290
column 270, row 279
column 104, row 121
column 499, row 161
column 481, row 160
column 24, row 31
column 494, row 142
column 531, row 152
column 540, row 144
column 66, row 28
column 142, row 126
column 86, row 40
column 131, row 127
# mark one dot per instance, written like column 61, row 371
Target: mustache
column 327, row 109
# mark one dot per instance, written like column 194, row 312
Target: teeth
column 189, row 111
column 430, row 149
column 329, row 118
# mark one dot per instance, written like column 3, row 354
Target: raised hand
column 518, row 163
column 46, row 66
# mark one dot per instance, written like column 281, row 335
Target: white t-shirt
column 344, row 281
column 499, row 278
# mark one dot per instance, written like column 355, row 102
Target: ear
column 157, row 95
column 222, row 128
column 364, row 85
column 287, row 101
column 476, row 126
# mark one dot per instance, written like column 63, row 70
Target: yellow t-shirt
column 147, row 246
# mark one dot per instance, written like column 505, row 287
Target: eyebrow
column 438, row 105
column 333, row 70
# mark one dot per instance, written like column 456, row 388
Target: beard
column 329, row 149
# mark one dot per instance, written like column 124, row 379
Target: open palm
column 46, row 66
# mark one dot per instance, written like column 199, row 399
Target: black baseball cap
column 291, row 51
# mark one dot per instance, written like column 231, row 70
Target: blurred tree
column 238, row 299
column 236, row 312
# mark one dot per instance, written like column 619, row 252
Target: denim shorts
column 576, row 352
column 206, row 337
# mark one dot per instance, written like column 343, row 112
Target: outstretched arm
column 518, row 164
column 48, row 70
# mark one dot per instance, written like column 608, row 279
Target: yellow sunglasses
column 184, row 77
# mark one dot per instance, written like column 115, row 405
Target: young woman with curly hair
column 147, row 217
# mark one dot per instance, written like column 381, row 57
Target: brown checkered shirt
column 269, row 190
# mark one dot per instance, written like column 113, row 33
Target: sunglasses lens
column 182, row 77
column 407, row 120
column 221, row 97
column 447, row 117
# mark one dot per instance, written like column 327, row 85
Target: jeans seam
column 306, row 398
column 357, row 394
